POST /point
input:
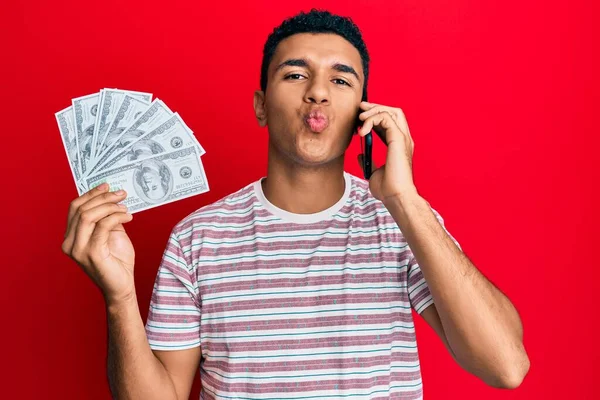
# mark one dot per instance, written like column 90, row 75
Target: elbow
column 517, row 377
column 513, row 376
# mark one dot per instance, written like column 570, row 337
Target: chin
column 311, row 151
column 313, row 159
column 315, row 162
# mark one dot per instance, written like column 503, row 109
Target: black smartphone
column 368, row 155
column 366, row 149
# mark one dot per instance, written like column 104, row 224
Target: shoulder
column 362, row 199
column 362, row 195
column 374, row 213
column 229, row 204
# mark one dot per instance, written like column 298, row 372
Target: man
column 301, row 284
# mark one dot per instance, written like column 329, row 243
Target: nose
column 317, row 91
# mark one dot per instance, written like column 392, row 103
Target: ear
column 259, row 108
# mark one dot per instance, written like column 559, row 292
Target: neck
column 301, row 190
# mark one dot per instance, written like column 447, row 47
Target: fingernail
column 119, row 192
column 102, row 186
column 123, row 206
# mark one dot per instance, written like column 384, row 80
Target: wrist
column 116, row 302
column 404, row 208
column 403, row 200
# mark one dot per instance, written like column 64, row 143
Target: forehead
column 322, row 49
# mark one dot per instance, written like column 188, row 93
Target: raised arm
column 95, row 238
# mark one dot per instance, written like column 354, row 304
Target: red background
column 501, row 100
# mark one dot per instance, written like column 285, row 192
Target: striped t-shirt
column 293, row 306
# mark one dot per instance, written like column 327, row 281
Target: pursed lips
column 316, row 120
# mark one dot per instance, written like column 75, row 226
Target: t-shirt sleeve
column 418, row 291
column 175, row 308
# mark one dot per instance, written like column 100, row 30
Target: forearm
column 481, row 325
column 133, row 370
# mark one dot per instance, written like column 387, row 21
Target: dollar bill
column 141, row 132
column 171, row 135
column 129, row 110
column 66, row 126
column 191, row 132
column 158, row 180
column 153, row 116
column 85, row 109
column 110, row 101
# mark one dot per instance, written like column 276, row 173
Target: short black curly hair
column 315, row 21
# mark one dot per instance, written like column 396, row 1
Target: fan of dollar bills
column 124, row 138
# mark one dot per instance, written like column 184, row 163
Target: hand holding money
column 125, row 139
column 95, row 238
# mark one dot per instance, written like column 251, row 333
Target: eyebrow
column 302, row 62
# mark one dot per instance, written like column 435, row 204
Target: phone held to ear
column 368, row 155
column 367, row 150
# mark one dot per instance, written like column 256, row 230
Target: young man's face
column 293, row 91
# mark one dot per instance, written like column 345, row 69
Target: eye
column 343, row 81
column 337, row 80
column 290, row 75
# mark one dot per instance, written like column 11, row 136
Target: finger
column 88, row 220
column 373, row 109
column 380, row 112
column 372, row 121
column 110, row 223
column 101, row 198
column 386, row 123
column 380, row 109
column 75, row 204
column 366, row 127
column 365, row 105
column 109, row 197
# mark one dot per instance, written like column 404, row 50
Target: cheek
column 279, row 111
column 283, row 104
column 283, row 121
